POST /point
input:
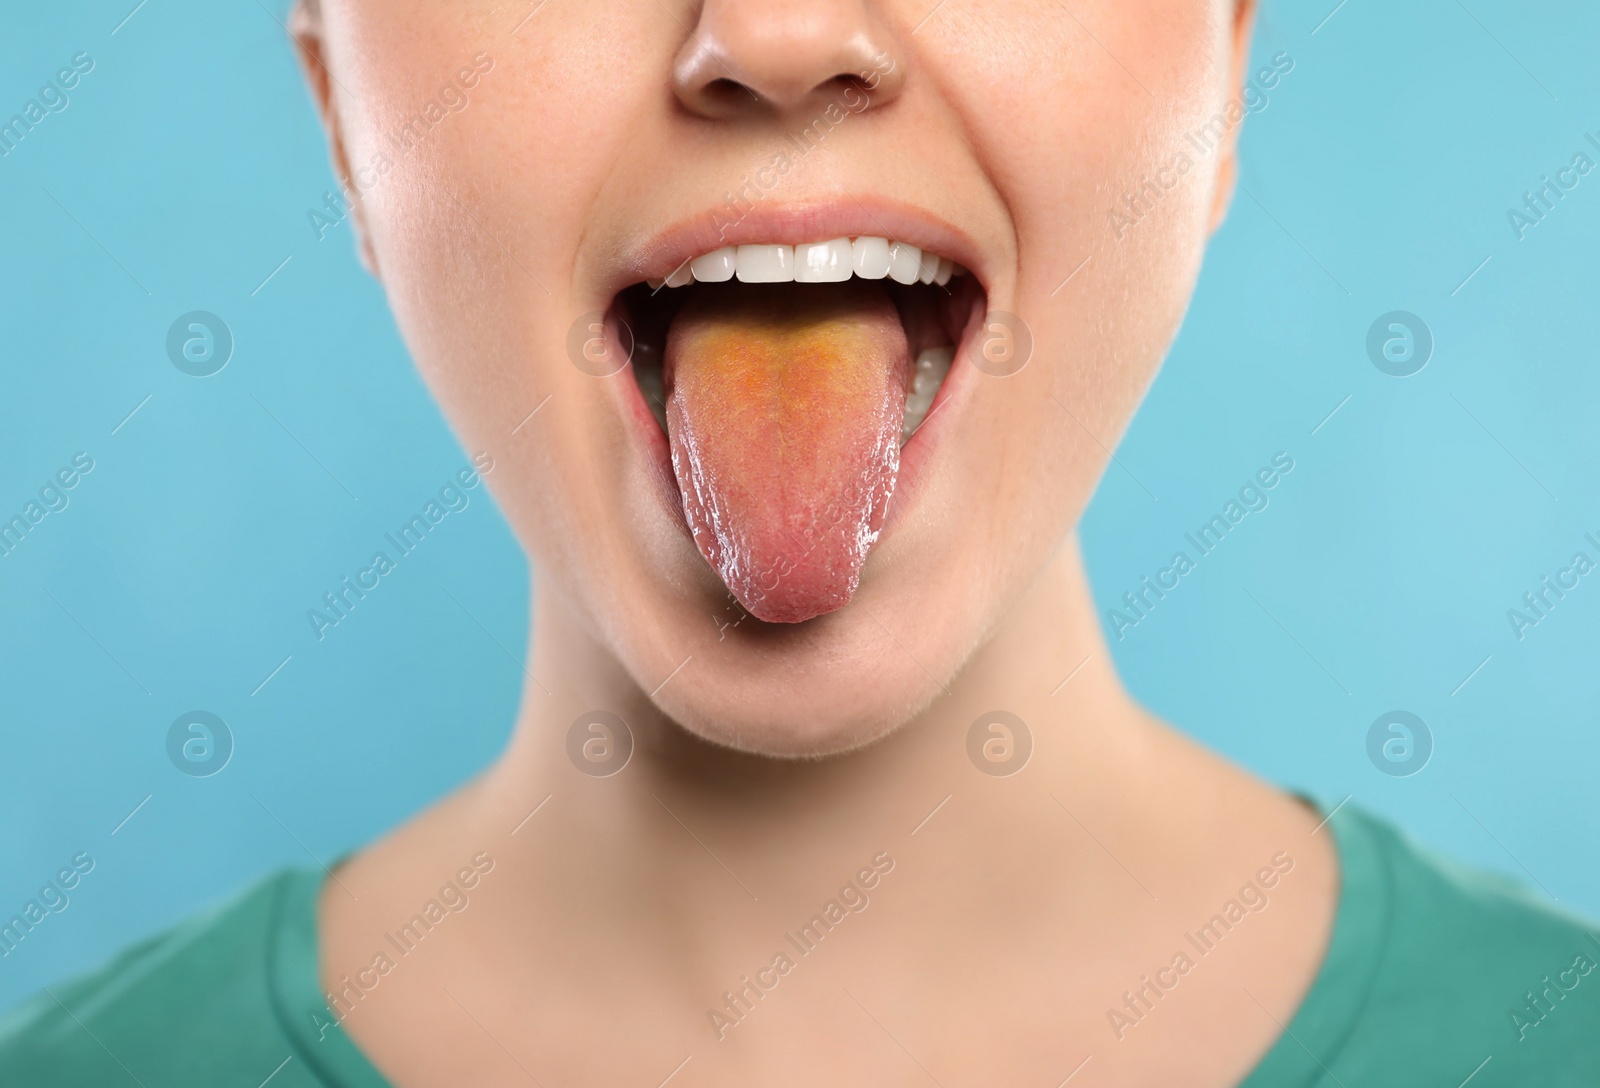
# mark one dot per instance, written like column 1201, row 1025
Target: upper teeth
column 815, row 262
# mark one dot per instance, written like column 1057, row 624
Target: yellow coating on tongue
column 784, row 412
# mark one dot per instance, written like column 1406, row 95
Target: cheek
column 513, row 176
column 1071, row 119
column 476, row 224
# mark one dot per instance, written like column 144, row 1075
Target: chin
column 816, row 688
column 823, row 688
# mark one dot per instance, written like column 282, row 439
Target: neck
column 662, row 889
column 680, row 797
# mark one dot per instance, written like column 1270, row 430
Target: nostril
column 747, row 58
column 845, row 85
column 727, row 92
column 727, row 97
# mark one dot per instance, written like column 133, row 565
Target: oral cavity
column 787, row 380
column 836, row 261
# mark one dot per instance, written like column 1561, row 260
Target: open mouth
column 787, row 379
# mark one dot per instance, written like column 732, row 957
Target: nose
column 752, row 57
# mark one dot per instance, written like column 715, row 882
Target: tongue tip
column 794, row 592
column 791, row 614
column 797, row 607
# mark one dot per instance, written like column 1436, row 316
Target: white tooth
column 928, row 267
column 870, row 257
column 916, row 413
column 716, row 266
column 655, row 285
column 933, row 364
column 766, row 264
column 681, row 276
column 905, row 262
column 942, row 277
column 823, row 262
column 931, row 367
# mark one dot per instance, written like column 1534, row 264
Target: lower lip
column 915, row 455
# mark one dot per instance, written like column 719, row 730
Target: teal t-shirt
column 1436, row 976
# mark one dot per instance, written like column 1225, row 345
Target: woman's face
column 517, row 173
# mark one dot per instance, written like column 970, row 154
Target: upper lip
column 658, row 256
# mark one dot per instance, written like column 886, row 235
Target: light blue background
column 1378, row 179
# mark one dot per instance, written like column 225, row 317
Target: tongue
column 784, row 410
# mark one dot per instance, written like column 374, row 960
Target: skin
column 770, row 763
